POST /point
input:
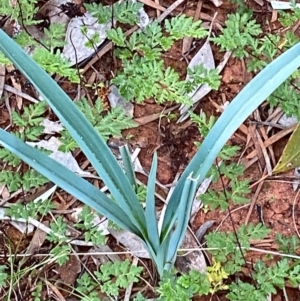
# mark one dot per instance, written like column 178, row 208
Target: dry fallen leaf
column 51, row 127
column 37, row 240
column 131, row 242
column 66, row 159
column 282, row 5
column 202, row 91
column 76, row 39
column 205, row 57
column 116, row 100
column 290, row 157
column 69, row 271
column 287, row 121
column 193, row 260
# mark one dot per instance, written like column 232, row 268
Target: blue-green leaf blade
column 128, row 166
column 235, row 114
column 92, row 145
column 186, row 201
column 67, row 180
column 150, row 212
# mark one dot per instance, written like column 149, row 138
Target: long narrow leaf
column 68, row 180
column 81, row 130
column 161, row 258
column 150, row 207
column 187, row 197
column 235, row 114
column 128, row 166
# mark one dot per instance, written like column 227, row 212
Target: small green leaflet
column 290, row 157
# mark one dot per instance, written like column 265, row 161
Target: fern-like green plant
column 25, row 12
column 227, row 251
column 110, row 278
column 110, row 124
column 242, row 36
column 143, row 74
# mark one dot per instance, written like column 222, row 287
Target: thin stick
column 253, row 202
column 169, row 10
column 153, row 4
column 20, row 93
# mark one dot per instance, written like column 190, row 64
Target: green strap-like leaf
column 81, row 130
column 128, row 166
column 68, row 180
column 235, row 114
column 150, row 207
column 187, row 197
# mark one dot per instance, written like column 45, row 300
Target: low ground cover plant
column 242, row 36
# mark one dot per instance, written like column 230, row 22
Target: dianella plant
column 124, row 208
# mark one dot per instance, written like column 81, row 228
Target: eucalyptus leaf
column 290, row 157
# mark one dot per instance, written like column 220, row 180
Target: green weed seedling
column 61, row 249
column 110, row 124
column 36, row 294
column 111, row 277
column 289, row 18
column 237, row 188
column 143, row 74
column 24, row 13
column 58, row 236
column 85, row 223
column 3, row 276
column 242, row 36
